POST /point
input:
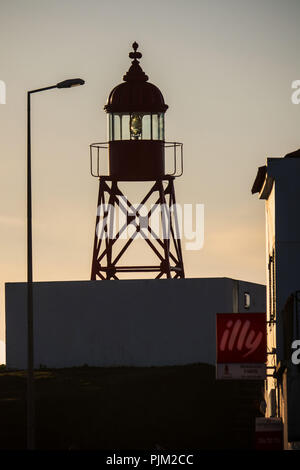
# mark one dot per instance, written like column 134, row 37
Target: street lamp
column 30, row 350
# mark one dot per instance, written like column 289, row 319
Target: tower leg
column 108, row 250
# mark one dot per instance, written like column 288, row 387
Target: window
column 247, row 300
column 136, row 126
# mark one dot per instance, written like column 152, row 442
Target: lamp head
column 70, row 83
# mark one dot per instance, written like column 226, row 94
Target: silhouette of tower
column 136, row 153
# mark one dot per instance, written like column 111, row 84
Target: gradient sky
column 225, row 68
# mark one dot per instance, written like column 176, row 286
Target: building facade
column 124, row 323
column 277, row 183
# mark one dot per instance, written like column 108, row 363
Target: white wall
column 122, row 323
column 286, row 173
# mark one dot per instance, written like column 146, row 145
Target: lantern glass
column 125, row 126
column 146, row 126
column 117, row 127
column 161, row 126
column 155, row 126
column 136, row 126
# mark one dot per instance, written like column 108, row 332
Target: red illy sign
column 241, row 338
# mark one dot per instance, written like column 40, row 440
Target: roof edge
column 259, row 180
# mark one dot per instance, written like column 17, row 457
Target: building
column 124, row 323
column 278, row 184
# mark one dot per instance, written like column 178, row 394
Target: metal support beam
column 108, row 249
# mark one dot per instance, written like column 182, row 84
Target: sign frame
column 241, row 346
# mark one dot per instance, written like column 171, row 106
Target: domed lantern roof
column 135, row 94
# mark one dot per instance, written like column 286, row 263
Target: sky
column 225, row 68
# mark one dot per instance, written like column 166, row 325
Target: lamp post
column 30, row 340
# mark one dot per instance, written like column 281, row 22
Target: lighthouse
column 136, row 151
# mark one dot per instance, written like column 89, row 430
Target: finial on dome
column 135, row 55
column 135, row 73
